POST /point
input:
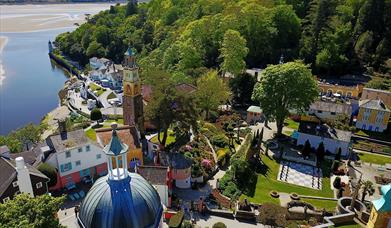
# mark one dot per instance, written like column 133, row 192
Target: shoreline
column 43, row 17
column 24, row 18
column 3, row 43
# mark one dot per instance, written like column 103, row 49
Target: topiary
column 50, row 172
column 337, row 183
column 219, row 225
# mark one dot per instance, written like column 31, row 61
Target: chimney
column 24, row 181
column 62, row 126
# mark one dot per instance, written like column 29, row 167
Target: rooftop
column 127, row 134
column 178, row 160
column 156, row 175
column 377, row 104
column 8, row 173
column 377, row 90
column 255, row 109
column 327, row 106
column 68, row 140
column 323, row 130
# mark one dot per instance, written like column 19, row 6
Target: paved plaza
column 300, row 174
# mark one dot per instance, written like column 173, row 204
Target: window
column 66, row 167
column 80, row 150
column 6, row 199
column 319, row 111
column 68, row 154
column 78, row 163
column 88, row 148
column 15, row 184
column 39, row 185
column 98, row 156
column 333, row 113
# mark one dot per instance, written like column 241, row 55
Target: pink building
column 76, row 157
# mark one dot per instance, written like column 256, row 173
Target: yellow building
column 385, row 96
column 129, row 136
column 373, row 115
column 346, row 91
column 381, row 209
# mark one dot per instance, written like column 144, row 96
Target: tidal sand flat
column 30, row 18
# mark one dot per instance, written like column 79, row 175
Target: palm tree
column 367, row 188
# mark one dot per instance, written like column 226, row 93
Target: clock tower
column 132, row 99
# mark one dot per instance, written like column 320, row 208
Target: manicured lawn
column 170, row 138
column 98, row 89
column 329, row 205
column 291, row 124
column 267, row 182
column 111, row 96
column 108, row 122
column 374, row 158
column 91, row 134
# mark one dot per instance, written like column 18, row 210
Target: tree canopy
column 185, row 36
column 211, row 92
column 26, row 211
column 284, row 87
column 169, row 106
column 233, row 51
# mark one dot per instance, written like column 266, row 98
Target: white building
column 75, row 156
column 96, row 63
column 333, row 139
column 330, row 109
column 108, row 74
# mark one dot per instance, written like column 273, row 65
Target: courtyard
column 300, row 174
column 267, row 181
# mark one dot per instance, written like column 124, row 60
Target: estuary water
column 29, row 81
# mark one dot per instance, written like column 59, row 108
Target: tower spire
column 116, row 154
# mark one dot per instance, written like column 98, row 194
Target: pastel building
column 75, row 156
column 332, row 139
column 161, row 179
column 381, row 209
column 343, row 90
column 254, row 114
column 385, row 96
column 373, row 115
column 128, row 135
column 120, row 199
column 329, row 110
column 180, row 166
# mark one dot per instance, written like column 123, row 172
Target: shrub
column 335, row 165
column 176, row 220
column 221, row 154
column 96, row 114
column 219, row 140
column 219, row 225
column 187, row 224
column 337, row 183
column 50, row 172
column 307, row 149
column 338, row 155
